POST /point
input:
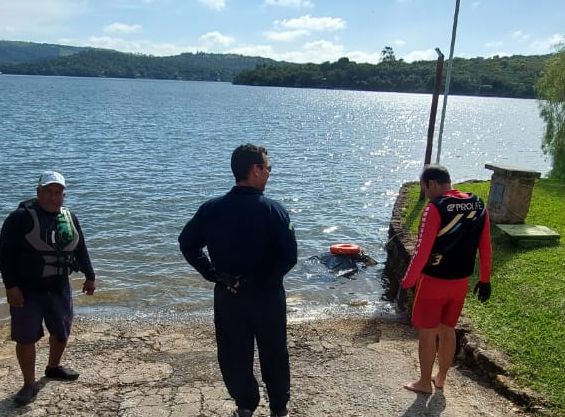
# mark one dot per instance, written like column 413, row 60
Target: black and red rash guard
column 452, row 228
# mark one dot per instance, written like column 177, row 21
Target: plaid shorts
column 53, row 307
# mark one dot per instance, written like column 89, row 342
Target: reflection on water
column 140, row 156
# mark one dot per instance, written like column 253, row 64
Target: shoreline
column 339, row 367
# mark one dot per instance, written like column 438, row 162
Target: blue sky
column 291, row 30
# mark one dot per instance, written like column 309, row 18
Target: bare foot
column 419, row 387
column 438, row 382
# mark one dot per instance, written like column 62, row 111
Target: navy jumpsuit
column 250, row 236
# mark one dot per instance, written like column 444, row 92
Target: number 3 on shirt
column 436, row 258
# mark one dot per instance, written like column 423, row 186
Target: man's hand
column 230, row 281
column 233, row 289
column 15, row 297
column 88, row 287
column 484, row 290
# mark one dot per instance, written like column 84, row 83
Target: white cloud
column 68, row 41
column 557, row 39
column 521, row 36
column 289, row 30
column 140, row 46
column 37, row 17
column 122, row 28
column 214, row 4
column 499, row 53
column 307, row 22
column 132, row 4
column 424, row 55
column 316, row 52
column 286, row 36
column 548, row 45
column 494, row 44
column 364, row 57
column 265, row 51
column 399, row 42
column 212, row 39
column 323, row 45
column 290, row 3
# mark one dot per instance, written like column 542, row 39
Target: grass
column 525, row 317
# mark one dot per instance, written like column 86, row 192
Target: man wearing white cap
column 41, row 243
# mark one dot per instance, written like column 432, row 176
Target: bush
column 551, row 92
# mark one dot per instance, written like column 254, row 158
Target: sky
column 292, row 30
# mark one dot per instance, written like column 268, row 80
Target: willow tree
column 551, row 92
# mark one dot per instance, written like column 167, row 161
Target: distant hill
column 15, row 52
column 90, row 62
column 513, row 76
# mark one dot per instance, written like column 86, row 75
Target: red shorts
column 438, row 301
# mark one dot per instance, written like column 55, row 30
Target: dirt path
column 340, row 367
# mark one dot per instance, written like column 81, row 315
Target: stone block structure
column 510, row 194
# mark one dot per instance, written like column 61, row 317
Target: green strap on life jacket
column 64, row 231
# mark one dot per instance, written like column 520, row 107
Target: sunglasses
column 267, row 167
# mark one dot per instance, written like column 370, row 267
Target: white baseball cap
column 51, row 177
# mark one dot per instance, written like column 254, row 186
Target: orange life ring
column 345, row 249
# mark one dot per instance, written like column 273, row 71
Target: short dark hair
column 244, row 157
column 437, row 173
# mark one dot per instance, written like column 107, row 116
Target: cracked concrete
column 340, row 367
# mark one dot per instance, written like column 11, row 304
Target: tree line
column 513, row 76
column 108, row 63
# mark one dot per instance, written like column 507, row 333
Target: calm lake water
column 140, row 156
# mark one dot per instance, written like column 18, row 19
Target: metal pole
column 448, row 80
column 433, row 112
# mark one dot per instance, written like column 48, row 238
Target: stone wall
column 400, row 246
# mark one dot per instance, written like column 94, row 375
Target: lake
column 140, row 156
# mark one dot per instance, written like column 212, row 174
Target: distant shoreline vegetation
column 114, row 64
column 513, row 76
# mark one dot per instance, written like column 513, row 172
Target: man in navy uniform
column 251, row 246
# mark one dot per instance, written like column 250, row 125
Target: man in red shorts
column 452, row 227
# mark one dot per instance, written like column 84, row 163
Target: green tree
column 387, row 54
column 551, row 92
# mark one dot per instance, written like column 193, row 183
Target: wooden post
column 433, row 112
column 447, row 80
